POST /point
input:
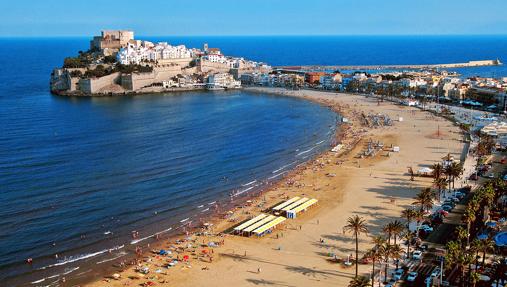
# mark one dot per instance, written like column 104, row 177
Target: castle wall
column 136, row 81
column 93, row 85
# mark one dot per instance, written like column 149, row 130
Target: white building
column 134, row 53
column 331, row 81
column 222, row 81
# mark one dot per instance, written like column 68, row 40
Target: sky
column 49, row 18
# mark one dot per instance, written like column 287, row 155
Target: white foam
column 307, row 151
column 244, row 190
column 54, row 276
column 147, row 237
column 283, row 167
column 277, row 175
column 251, row 182
column 121, row 254
column 204, row 210
column 200, row 206
column 183, row 220
column 81, row 257
column 212, row 203
column 319, row 142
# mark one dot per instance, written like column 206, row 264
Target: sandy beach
column 376, row 188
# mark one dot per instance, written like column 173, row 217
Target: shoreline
column 352, row 133
column 156, row 242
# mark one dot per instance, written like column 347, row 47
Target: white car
column 428, row 281
column 417, row 255
column 435, row 272
column 411, row 276
column 427, row 228
column 398, row 274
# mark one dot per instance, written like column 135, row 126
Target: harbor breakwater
column 469, row 64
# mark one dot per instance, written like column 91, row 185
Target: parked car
column 435, row 272
column 412, row 276
column 437, row 219
column 473, row 177
column 450, row 202
column 417, row 255
column 490, row 175
column 428, row 281
column 455, row 199
column 447, row 208
column 442, row 212
column 426, row 228
column 398, row 274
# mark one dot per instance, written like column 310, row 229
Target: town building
column 111, row 40
column 331, row 81
column 222, row 81
column 313, row 77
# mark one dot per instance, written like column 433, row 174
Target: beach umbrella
column 491, row 224
column 482, row 236
column 185, row 257
column 485, row 278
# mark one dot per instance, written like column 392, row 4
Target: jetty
column 468, row 64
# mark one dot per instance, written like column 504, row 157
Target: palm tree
column 395, row 253
column 384, row 250
column 376, row 253
column 389, row 251
column 455, row 169
column 485, row 246
column 457, row 256
column 469, row 218
column 361, row 281
column 440, row 183
column 375, row 256
column 438, row 170
column 419, row 216
column 409, row 215
column 475, row 277
column 388, row 231
column 425, row 199
column 396, row 229
column 356, row 225
column 378, row 241
column 409, row 236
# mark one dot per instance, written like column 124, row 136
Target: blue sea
column 78, row 175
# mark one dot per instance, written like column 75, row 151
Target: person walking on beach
column 259, row 270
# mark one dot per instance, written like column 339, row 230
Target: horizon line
column 262, row 35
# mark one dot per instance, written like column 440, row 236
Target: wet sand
column 376, row 188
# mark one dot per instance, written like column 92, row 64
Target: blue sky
column 261, row 17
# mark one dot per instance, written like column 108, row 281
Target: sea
column 79, row 175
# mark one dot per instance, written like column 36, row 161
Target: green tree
column 425, row 199
column 375, row 255
column 356, row 225
column 361, row 281
column 485, row 246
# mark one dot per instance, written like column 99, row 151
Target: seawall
column 382, row 67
